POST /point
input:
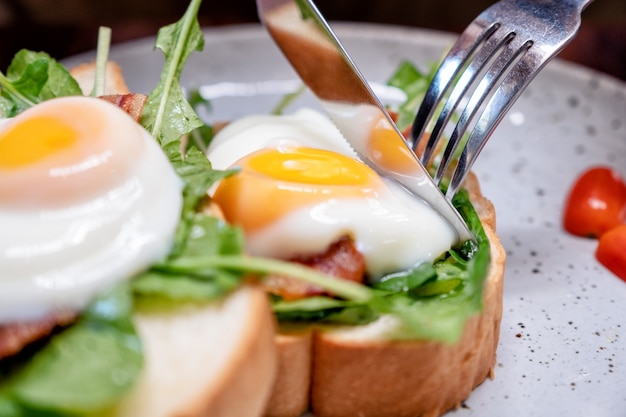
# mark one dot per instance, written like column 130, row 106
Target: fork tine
column 509, row 89
column 491, row 47
column 449, row 69
column 507, row 50
column 493, row 61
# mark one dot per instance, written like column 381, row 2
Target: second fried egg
column 300, row 189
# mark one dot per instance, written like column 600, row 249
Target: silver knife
column 316, row 54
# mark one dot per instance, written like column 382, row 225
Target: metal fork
column 495, row 58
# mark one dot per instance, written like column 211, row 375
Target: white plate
column 563, row 340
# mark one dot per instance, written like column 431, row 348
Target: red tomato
column 611, row 251
column 596, row 203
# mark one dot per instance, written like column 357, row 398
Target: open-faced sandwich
column 425, row 332
column 99, row 216
column 124, row 293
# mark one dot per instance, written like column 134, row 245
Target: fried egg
column 300, row 188
column 87, row 199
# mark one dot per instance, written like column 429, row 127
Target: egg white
column 59, row 258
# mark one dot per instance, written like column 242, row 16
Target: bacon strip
column 131, row 103
column 341, row 260
column 15, row 336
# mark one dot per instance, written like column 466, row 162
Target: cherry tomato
column 611, row 251
column 596, row 203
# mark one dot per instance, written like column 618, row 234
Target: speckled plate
column 563, row 341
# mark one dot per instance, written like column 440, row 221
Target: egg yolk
column 35, row 139
column 65, row 150
column 388, row 152
column 274, row 182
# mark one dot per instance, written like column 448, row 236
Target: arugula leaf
column 209, row 237
column 345, row 289
column 322, row 309
column 439, row 309
column 414, row 84
column 202, row 136
column 195, row 170
column 102, row 344
column 287, row 99
column 167, row 114
column 408, row 280
column 102, row 56
column 33, row 77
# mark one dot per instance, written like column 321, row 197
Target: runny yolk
column 310, row 166
column 273, row 183
column 388, row 151
column 35, row 139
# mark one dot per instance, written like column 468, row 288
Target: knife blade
column 321, row 61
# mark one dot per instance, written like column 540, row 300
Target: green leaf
column 442, row 308
column 405, row 281
column 85, row 368
column 414, row 84
column 323, row 309
column 208, row 237
column 288, row 99
column 102, row 57
column 33, row 77
column 345, row 289
column 438, row 287
column 202, row 136
column 185, row 287
column 8, row 406
column 308, row 304
column 167, row 114
column 196, row 172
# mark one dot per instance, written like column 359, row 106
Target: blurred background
column 67, row 27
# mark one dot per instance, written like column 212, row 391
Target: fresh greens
column 202, row 136
column 245, row 264
column 89, row 366
column 104, row 42
column 433, row 301
column 198, row 176
column 414, row 83
column 33, row 77
column 167, row 114
column 208, row 237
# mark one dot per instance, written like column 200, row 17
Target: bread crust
column 367, row 378
column 114, row 82
column 245, row 384
column 293, row 380
column 216, row 359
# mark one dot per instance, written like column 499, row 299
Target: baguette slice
column 354, row 371
column 214, row 359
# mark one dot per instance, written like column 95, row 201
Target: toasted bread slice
column 216, row 359
column 357, row 373
column 114, row 82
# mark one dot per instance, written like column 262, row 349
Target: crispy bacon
column 131, row 103
column 15, row 336
column 341, row 260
